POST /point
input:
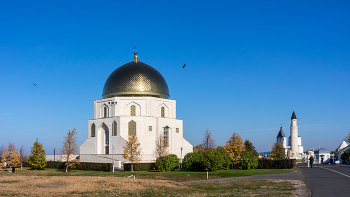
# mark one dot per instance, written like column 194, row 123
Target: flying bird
column 34, row 84
column 184, row 66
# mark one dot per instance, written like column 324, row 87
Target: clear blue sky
column 248, row 64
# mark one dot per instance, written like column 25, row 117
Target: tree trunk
column 67, row 162
column 132, row 167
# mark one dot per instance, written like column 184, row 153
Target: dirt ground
column 70, row 185
column 103, row 186
column 300, row 188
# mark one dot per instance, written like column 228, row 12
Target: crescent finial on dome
column 135, row 54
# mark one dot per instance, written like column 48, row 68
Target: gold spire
column 135, row 54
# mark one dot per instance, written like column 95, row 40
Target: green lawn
column 177, row 176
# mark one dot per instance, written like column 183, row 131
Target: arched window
column 166, row 135
column 132, row 110
column 93, row 130
column 106, row 142
column 132, row 128
column 114, row 128
column 162, row 112
column 105, row 112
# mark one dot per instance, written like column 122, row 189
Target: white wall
column 148, row 113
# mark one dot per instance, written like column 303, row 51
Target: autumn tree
column 69, row 150
column 162, row 148
column 235, row 147
column 250, row 148
column 208, row 141
column 277, row 151
column 10, row 155
column 132, row 150
column 37, row 157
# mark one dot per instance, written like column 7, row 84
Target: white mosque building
column 293, row 148
column 135, row 101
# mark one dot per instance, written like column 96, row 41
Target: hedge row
column 276, row 163
column 270, row 164
column 140, row 166
column 107, row 167
column 262, row 164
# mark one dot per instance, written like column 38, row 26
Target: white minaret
column 294, row 136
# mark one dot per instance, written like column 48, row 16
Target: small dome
column 135, row 79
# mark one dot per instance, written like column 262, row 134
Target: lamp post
column 181, row 159
column 207, row 172
column 112, row 146
column 20, row 157
column 113, row 137
column 54, row 154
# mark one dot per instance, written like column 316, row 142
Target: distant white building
column 135, row 101
column 322, row 155
column 340, row 150
column 293, row 147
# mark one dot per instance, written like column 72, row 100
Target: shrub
column 167, row 163
column 249, row 161
column 212, row 160
column 218, row 159
column 345, row 157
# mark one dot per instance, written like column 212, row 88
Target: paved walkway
column 295, row 175
column 327, row 180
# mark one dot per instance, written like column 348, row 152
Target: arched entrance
column 106, row 142
column 103, row 139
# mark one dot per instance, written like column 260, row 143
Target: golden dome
column 135, row 79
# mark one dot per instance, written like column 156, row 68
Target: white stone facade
column 322, row 155
column 147, row 113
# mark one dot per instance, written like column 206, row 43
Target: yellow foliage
column 10, row 156
column 235, row 146
column 132, row 150
column 70, row 148
column 277, row 151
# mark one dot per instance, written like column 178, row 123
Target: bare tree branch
column 161, row 149
column 208, row 141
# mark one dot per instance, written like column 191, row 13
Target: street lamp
column 207, row 172
column 181, row 158
column 112, row 104
column 21, row 157
column 54, row 154
column 112, row 146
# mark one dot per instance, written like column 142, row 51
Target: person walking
column 311, row 160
